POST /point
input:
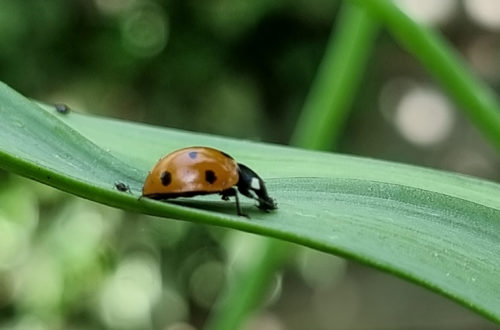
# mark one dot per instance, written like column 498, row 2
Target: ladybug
column 200, row 171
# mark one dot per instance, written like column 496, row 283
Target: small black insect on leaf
column 122, row 186
column 62, row 108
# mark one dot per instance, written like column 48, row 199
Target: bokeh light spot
column 484, row 12
column 129, row 296
column 145, row 31
column 424, row 116
column 39, row 286
column 206, row 283
column 428, row 11
column 78, row 236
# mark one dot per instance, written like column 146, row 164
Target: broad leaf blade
column 438, row 229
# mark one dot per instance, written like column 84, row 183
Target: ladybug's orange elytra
column 191, row 170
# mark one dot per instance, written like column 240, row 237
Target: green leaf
column 438, row 229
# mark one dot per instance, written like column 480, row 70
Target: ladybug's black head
column 251, row 185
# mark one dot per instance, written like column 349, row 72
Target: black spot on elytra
column 210, row 176
column 193, row 154
column 228, row 156
column 166, row 178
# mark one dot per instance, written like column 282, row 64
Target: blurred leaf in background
column 236, row 68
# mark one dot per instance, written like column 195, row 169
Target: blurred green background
column 235, row 68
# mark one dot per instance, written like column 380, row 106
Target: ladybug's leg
column 232, row 192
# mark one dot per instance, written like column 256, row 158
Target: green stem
column 474, row 97
column 328, row 105
column 251, row 284
column 320, row 126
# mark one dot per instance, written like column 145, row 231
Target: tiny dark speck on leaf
column 62, row 108
column 122, row 186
